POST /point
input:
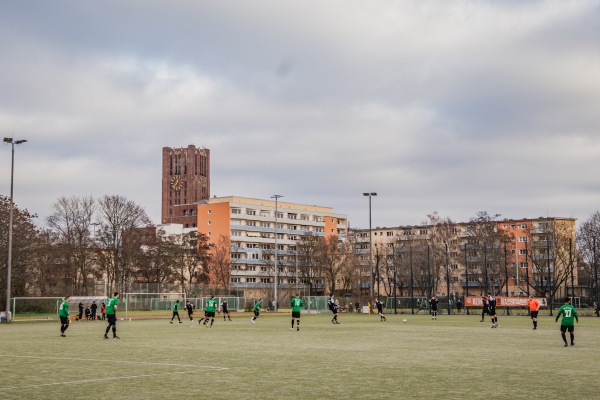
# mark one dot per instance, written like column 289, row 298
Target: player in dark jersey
column 491, row 301
column 433, row 305
column 176, row 312
column 334, row 309
column 485, row 310
column 189, row 309
column 225, row 309
column 379, row 306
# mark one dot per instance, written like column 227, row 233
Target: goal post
column 152, row 301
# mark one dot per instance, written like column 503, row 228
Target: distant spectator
column 80, row 311
column 88, row 313
column 459, row 305
column 93, row 309
column 103, row 311
column 357, row 305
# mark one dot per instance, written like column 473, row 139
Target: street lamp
column 10, row 222
column 276, row 197
column 370, row 194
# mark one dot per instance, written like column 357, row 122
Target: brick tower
column 185, row 181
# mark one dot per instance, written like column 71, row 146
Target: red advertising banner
column 503, row 301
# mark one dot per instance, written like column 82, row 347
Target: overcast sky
column 448, row 106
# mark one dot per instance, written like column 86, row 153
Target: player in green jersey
column 209, row 311
column 256, row 310
column 176, row 312
column 63, row 313
column 297, row 305
column 569, row 314
column 111, row 315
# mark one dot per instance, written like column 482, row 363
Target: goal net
column 233, row 303
column 316, row 304
column 47, row 307
column 152, row 302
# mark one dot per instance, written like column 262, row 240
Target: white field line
column 119, row 362
column 4, row 389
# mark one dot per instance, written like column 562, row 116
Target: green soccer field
column 455, row 357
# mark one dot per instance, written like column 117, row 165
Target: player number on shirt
column 567, row 313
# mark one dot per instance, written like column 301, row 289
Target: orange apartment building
column 259, row 230
column 536, row 255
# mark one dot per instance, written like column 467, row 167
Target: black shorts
column 64, row 320
column 534, row 314
column 380, row 310
column 295, row 314
column 176, row 313
column 112, row 319
column 209, row 314
column 564, row 328
column 492, row 311
column 225, row 310
column 486, row 310
column 334, row 310
column 256, row 313
column 434, row 309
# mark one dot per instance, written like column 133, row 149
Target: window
column 236, row 256
column 236, row 222
column 292, row 216
column 265, row 225
column 423, row 232
column 250, row 268
column 250, row 280
column 522, row 239
column 523, row 252
column 234, row 211
column 264, row 269
column 250, row 223
column 235, row 280
column 318, row 219
column 304, row 217
column 265, row 280
column 523, row 265
column 523, row 226
column 389, row 234
column 279, row 215
column 280, row 236
column 209, row 222
column 265, row 214
column 209, row 211
column 250, row 212
column 235, row 268
column 236, row 233
column 390, row 245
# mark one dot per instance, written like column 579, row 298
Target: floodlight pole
column 10, row 223
column 370, row 194
column 276, row 197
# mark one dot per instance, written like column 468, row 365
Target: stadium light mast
column 12, row 142
column 276, row 197
column 370, row 194
column 447, row 278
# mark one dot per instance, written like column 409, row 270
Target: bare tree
column 485, row 251
column 310, row 271
column 334, row 255
column 117, row 215
column 24, row 244
column 71, row 221
column 588, row 249
column 220, row 261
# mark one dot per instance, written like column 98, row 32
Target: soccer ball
column 405, row 320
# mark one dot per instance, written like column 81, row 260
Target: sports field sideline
column 454, row 357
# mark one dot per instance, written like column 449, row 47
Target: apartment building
column 261, row 231
column 512, row 256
